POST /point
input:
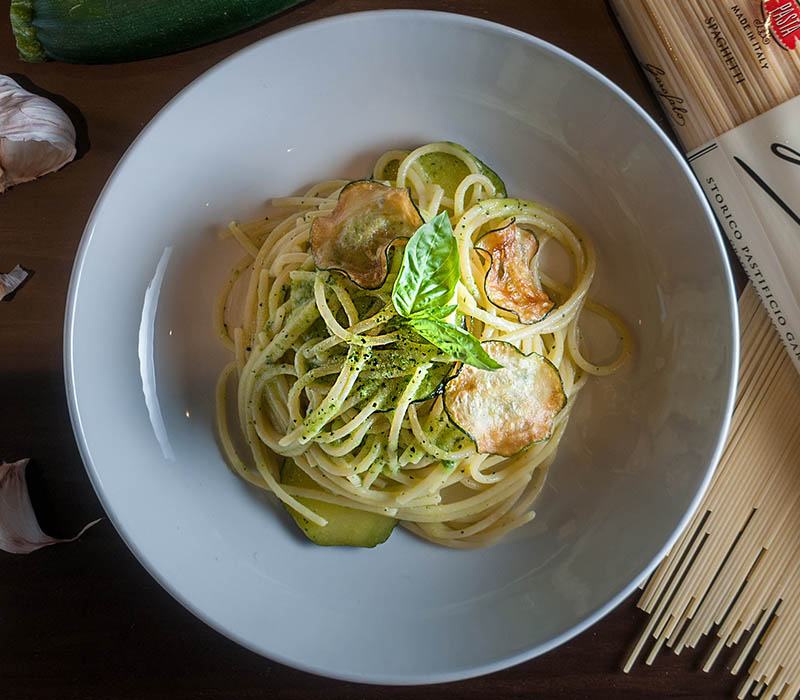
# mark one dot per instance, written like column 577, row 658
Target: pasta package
column 728, row 76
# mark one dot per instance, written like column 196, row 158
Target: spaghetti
column 714, row 65
column 326, row 376
column 728, row 75
column 733, row 573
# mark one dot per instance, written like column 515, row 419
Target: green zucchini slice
column 507, row 409
column 390, row 169
column 355, row 239
column 447, row 170
column 509, row 283
column 347, row 527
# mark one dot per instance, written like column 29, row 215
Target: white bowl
column 324, row 100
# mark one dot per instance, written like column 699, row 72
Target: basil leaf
column 454, row 341
column 429, row 271
column 426, row 283
column 438, row 313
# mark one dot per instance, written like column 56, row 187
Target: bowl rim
column 384, row 678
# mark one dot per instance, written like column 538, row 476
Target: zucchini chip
column 509, row 282
column 507, row 409
column 355, row 238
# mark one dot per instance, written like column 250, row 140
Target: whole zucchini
column 110, row 31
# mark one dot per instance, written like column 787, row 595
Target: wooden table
column 86, row 620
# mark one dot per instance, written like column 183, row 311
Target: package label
column 751, row 176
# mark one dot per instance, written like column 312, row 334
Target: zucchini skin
column 112, row 31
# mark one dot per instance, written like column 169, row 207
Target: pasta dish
column 399, row 355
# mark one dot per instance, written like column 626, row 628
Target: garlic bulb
column 36, row 136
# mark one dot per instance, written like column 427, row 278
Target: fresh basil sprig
column 429, row 271
column 426, row 283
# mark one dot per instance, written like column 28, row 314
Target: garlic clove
column 19, row 530
column 36, row 135
column 9, row 281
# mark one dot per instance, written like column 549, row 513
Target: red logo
column 783, row 19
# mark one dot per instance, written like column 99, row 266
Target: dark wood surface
column 85, row 620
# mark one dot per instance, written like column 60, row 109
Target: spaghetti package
column 728, row 76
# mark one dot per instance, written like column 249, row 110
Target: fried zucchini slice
column 509, row 283
column 507, row 409
column 355, row 238
column 347, row 527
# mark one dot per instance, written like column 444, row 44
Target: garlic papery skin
column 19, row 530
column 36, row 135
column 9, row 281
